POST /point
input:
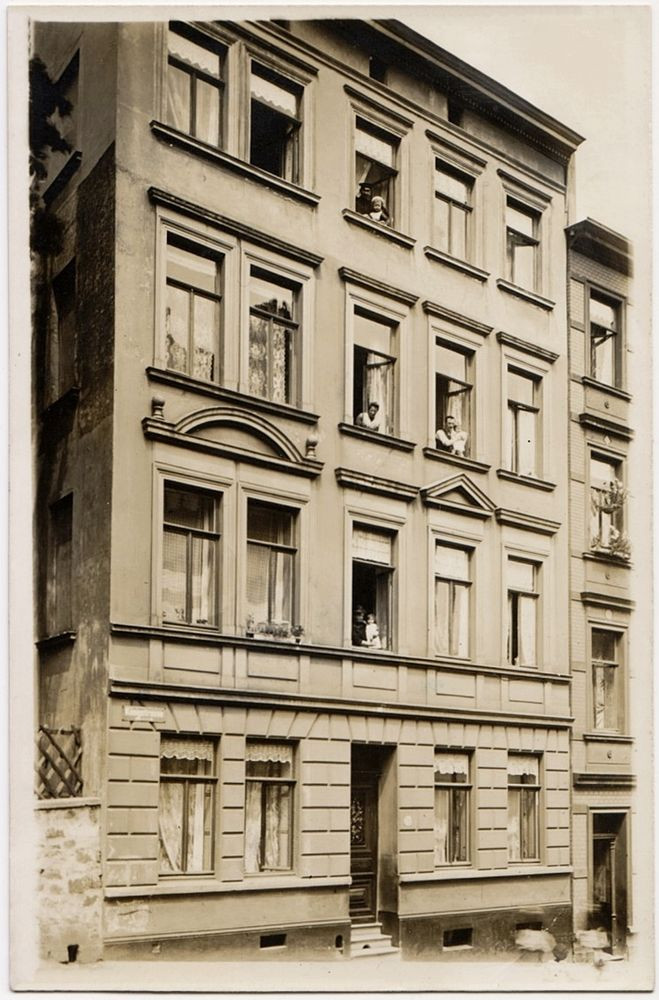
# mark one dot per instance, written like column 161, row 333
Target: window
column 374, row 367
column 522, row 613
column 58, row 599
column 605, row 340
column 522, row 423
column 269, row 789
column 274, row 338
column 271, row 556
column 523, row 792
column 64, row 294
column 194, row 84
column 607, row 696
column 275, row 123
column 193, row 308
column 453, row 398
column 186, row 805
column 607, row 505
column 190, row 556
column 457, row 937
column 377, row 69
column 522, row 244
column 451, row 808
column 452, row 210
column 372, row 584
column 452, row 585
column 375, row 171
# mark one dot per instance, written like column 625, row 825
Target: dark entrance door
column 364, row 835
column 609, row 902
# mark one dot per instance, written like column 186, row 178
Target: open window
column 274, row 337
column 453, row 398
column 375, row 171
column 522, row 612
column 374, row 372
column 193, row 308
column 194, row 83
column 275, row 123
column 607, row 507
column 522, row 244
column 372, row 587
column 604, row 319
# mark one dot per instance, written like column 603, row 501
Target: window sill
column 538, row 484
column 191, row 145
column 604, row 737
column 58, row 184
column 355, row 219
column 252, row 883
column 602, row 556
column 610, row 390
column 191, row 384
column 437, row 455
column 479, row 873
column 524, row 293
column 458, row 265
column 384, row 439
column 66, row 638
column 68, row 803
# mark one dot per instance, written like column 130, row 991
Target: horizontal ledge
column 527, row 347
column 524, row 293
column 538, row 484
column 383, row 109
column 608, row 558
column 375, row 484
column 454, row 148
column 215, row 155
column 470, row 510
column 355, row 219
column 66, row 638
column 609, row 390
column 191, row 384
column 68, row 803
column 58, row 184
column 605, row 780
column 528, row 522
column 514, row 181
column 473, row 874
column 606, row 601
column 604, row 426
column 603, row 737
column 239, row 229
column 375, row 285
column 458, row 265
column 438, row 455
column 180, row 887
column 441, row 312
column 382, row 439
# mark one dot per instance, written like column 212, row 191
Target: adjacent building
column 302, row 383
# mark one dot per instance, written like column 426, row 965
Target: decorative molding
column 382, row 109
column 375, row 484
column 172, row 136
column 537, row 484
column 476, row 504
column 378, row 228
column 438, row 455
column 606, row 738
column 510, row 180
column 609, row 390
column 605, row 426
column 58, row 184
column 441, row 312
column 527, row 347
column 602, row 556
column 239, row 229
column 524, row 293
column 595, row 241
column 453, row 147
column 66, row 638
column 602, row 780
column 376, row 437
column 180, row 380
column 527, row 522
column 458, row 265
column 375, row 285
column 599, row 600
column 459, row 874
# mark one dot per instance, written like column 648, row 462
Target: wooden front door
column 363, row 846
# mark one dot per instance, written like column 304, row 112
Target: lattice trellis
column 58, row 764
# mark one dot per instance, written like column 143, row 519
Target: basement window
column 457, row 937
column 272, row 941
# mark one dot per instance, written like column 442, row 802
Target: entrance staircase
column 368, row 941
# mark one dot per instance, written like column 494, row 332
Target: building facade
column 301, row 391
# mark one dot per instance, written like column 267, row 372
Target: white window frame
column 453, row 335
column 393, row 524
column 467, row 787
column 540, row 374
column 293, row 783
column 471, row 591
column 461, row 162
column 620, row 630
column 535, row 202
column 616, row 458
column 214, row 41
column 389, row 122
column 211, row 780
column 539, row 809
column 619, row 303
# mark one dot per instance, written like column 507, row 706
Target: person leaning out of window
column 451, row 438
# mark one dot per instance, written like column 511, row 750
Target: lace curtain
column 186, row 749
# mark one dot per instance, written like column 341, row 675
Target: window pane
column 374, row 546
column 204, row 577
column 196, row 55
column 177, row 320
column 269, row 524
column 526, row 443
column 280, row 361
column 174, row 577
column 207, row 125
column 521, row 575
column 521, row 389
column 452, row 186
column 442, row 214
column 524, row 266
column 451, row 363
column 459, row 825
column 521, row 222
column 379, row 388
column 383, row 607
column 601, row 473
column 253, row 801
column 458, row 232
column 514, row 824
column 170, row 826
column 190, row 268
column 528, row 800
column 199, row 827
column 527, row 631
column 281, row 587
column 451, row 562
column 206, row 320
column 603, row 359
column 605, row 697
column 373, row 334
column 603, row 314
column 441, row 825
column 277, row 839
column 604, row 645
column 460, row 621
column 258, row 563
column 178, row 98
column 373, row 147
column 271, row 297
column 189, row 508
column 274, row 94
column 258, row 356
column 442, row 593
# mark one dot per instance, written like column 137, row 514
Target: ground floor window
column 268, row 807
column 523, row 793
column 451, row 808
column 186, row 805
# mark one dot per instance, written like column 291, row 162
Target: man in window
column 370, row 418
column 451, row 438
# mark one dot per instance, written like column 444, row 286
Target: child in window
column 372, row 632
column 379, row 211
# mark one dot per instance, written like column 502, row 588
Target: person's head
column 451, row 423
column 373, row 408
column 377, row 203
column 358, row 613
column 370, row 618
column 365, row 190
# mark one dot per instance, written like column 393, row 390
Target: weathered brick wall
column 69, row 886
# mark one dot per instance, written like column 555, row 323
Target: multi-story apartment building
column 302, row 499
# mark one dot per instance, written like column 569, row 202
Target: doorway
column 609, row 904
column 369, row 856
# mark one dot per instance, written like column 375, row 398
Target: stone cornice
column 367, row 483
column 527, row 347
column 441, row 312
column 353, row 277
column 605, row 426
column 527, row 522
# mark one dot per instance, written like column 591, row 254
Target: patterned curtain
column 253, row 826
column 170, row 826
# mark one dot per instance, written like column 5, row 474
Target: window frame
column 293, row 350
column 289, row 82
column 265, row 782
column 617, row 462
column 211, row 779
column 291, row 549
column 619, row 632
column 211, row 43
column 468, row 351
column 372, row 125
column 453, row 582
column 212, row 535
column 512, row 423
column 387, row 570
column 467, row 787
column 537, row 790
column 516, row 238
column 384, row 521
column 447, row 167
column 514, row 622
column 618, row 303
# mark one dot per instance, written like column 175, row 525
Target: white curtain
column 270, row 751
column 170, row 824
column 441, row 825
column 527, row 630
column 514, row 843
column 523, row 764
column 258, row 561
column 253, row 826
column 378, row 387
column 374, row 546
column 449, row 764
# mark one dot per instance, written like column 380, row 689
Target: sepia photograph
column 331, row 656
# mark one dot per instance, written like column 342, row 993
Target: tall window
column 607, row 499
column 58, row 600
column 271, row 554
column 64, row 293
column 522, row 244
column 372, row 585
column 604, row 322
column 452, row 587
column 453, row 398
column 522, row 423
column 452, row 788
column 193, row 308
column 452, row 210
column 375, row 171
column 374, row 366
column 607, row 694
column 269, row 786
column 274, row 338
column 523, row 807
column 190, row 556
column 186, row 805
column 522, row 613
column 275, row 123
column 194, row 84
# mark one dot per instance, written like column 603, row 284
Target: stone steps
column 368, row 941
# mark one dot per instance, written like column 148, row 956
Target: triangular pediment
column 460, row 494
